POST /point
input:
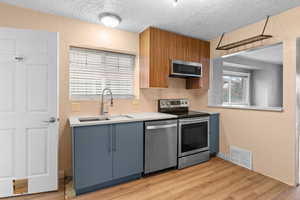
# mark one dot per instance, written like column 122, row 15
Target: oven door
column 193, row 136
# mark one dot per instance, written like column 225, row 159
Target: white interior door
column 28, row 111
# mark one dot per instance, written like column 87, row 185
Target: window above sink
column 93, row 70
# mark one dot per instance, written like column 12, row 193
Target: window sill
column 258, row 108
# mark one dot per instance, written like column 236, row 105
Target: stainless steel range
column 193, row 131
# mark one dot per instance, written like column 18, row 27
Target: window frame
column 93, row 97
column 237, row 74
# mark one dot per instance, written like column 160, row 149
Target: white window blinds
column 93, row 70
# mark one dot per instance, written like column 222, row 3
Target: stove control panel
column 172, row 104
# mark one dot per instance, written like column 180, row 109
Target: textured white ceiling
column 204, row 19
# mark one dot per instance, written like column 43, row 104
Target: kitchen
column 232, row 122
column 165, row 141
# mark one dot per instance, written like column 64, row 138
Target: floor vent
column 241, row 157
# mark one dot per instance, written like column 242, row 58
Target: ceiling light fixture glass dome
column 175, row 3
column 110, row 19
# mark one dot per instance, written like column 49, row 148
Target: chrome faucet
column 102, row 100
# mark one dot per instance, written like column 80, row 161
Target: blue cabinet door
column 92, row 155
column 214, row 134
column 128, row 149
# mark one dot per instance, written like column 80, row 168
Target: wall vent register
column 241, row 157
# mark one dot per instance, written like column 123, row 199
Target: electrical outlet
column 135, row 102
column 75, row 107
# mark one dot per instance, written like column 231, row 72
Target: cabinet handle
column 114, row 140
column 109, row 142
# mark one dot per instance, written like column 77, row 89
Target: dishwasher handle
column 161, row 126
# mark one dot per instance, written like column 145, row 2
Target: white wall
column 267, row 87
column 215, row 90
column 298, row 109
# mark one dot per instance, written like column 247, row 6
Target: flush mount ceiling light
column 110, row 19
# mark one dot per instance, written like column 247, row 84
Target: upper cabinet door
column 128, row 149
column 187, row 49
column 204, row 58
column 160, row 58
column 156, row 50
column 195, row 50
column 92, row 151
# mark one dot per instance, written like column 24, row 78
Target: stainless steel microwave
column 185, row 69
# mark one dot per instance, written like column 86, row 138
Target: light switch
column 75, row 107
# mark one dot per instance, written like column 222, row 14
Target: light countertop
column 125, row 118
column 205, row 111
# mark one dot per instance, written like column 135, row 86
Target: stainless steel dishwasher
column 160, row 145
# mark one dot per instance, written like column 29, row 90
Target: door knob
column 19, row 59
column 51, row 120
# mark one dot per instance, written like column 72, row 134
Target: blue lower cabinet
column 214, row 126
column 105, row 155
column 128, row 149
column 92, row 156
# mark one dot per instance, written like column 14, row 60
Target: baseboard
column 224, row 156
column 107, row 184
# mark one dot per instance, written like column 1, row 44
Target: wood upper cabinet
column 155, row 54
column 158, row 48
column 204, row 58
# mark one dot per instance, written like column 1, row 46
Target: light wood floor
column 213, row 180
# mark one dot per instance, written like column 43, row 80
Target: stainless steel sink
column 93, row 119
column 120, row 117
